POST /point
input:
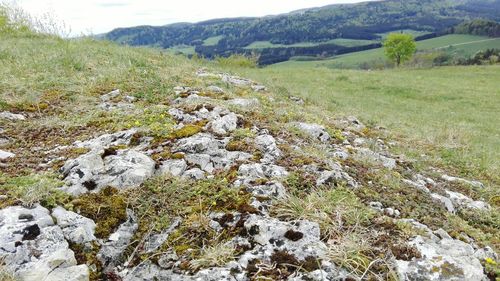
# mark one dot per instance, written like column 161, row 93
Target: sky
column 99, row 16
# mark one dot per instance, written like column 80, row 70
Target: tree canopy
column 399, row 47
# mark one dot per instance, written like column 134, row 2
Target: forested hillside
column 312, row 31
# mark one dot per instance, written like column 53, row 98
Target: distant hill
column 311, row 32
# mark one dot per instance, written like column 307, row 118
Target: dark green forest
column 351, row 21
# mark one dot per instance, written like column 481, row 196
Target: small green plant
column 333, row 209
column 399, row 47
column 32, row 189
column 215, row 255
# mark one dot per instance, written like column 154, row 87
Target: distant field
column 339, row 41
column 454, row 108
column 184, row 49
column 455, row 43
column 415, row 33
column 212, row 41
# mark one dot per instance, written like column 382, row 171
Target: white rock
column 174, row 167
column 267, row 145
column 109, row 96
column 442, row 259
column 475, row 184
column 224, row 124
column 11, row 116
column 76, row 228
column 314, row 130
column 4, row 155
column 445, row 201
column 461, row 200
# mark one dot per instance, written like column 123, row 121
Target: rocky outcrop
column 34, row 247
column 443, row 258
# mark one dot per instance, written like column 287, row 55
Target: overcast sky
column 98, row 16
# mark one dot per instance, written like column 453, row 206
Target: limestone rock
column 299, row 238
column 4, row 155
column 224, row 124
column 314, row 130
column 200, row 143
column 375, row 157
column 107, row 140
column 461, row 200
column 175, row 167
column 111, row 95
column 475, row 184
column 445, row 201
column 112, row 249
column 267, row 145
column 89, row 172
column 443, row 258
column 24, row 232
column 11, row 116
column 76, row 228
column 245, row 103
column 215, row 89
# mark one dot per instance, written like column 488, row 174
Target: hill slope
column 365, row 21
column 122, row 163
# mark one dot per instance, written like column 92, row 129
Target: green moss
column 88, row 255
column 107, row 208
column 186, row 131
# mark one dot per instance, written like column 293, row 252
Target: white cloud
column 93, row 16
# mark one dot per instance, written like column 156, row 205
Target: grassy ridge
column 453, row 109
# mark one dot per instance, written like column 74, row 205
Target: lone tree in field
column 399, row 47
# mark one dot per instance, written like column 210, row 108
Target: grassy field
column 212, row 41
column 453, row 109
column 455, row 43
column 415, row 33
column 338, row 41
column 184, row 49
